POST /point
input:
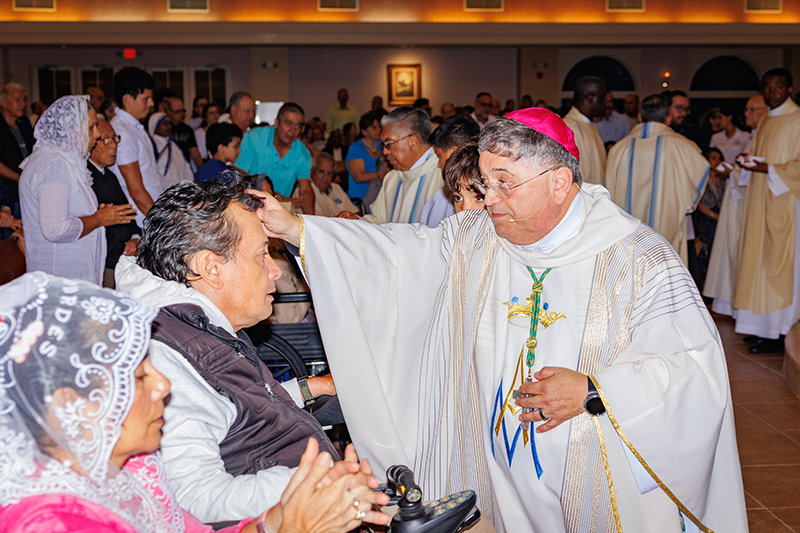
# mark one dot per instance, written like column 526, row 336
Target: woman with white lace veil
column 63, row 222
column 80, row 423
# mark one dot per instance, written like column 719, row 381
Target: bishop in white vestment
column 467, row 351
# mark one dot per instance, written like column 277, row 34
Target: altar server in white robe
column 415, row 177
column 554, row 292
column 657, row 175
column 767, row 294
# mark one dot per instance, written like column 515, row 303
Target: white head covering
column 65, row 126
column 154, row 120
column 58, row 334
column 62, row 132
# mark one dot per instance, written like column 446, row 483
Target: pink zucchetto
column 547, row 123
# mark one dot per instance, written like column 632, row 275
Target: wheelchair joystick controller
column 448, row 515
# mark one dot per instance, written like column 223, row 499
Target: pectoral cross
column 537, row 313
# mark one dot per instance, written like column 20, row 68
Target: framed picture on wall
column 405, row 84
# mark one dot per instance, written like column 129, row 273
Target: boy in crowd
column 223, row 142
column 460, row 173
column 454, row 132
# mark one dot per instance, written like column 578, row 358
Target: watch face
column 595, row 406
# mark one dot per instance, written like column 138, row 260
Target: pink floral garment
column 56, row 513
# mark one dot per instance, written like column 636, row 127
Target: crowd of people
column 510, row 284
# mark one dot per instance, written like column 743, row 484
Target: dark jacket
column 11, row 156
column 108, row 191
column 269, row 429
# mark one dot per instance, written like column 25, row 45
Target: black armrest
column 291, row 297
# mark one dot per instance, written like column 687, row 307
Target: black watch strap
column 593, row 404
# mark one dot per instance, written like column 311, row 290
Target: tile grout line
column 767, row 509
column 742, row 406
column 756, row 361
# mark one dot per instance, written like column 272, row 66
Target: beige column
column 269, row 73
column 538, row 73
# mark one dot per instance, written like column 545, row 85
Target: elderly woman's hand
column 309, row 505
column 7, row 220
column 110, row 214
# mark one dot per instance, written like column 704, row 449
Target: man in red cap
column 551, row 353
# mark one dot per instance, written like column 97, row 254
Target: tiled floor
column 768, row 432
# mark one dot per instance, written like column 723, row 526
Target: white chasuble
column 590, row 146
column 658, row 176
column 404, row 193
column 415, row 326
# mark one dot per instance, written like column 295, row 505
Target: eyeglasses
column 502, row 189
column 388, row 145
column 109, row 140
column 682, row 108
column 753, row 109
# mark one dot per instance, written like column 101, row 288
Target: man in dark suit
column 16, row 143
column 121, row 238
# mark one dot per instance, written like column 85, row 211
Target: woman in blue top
column 362, row 155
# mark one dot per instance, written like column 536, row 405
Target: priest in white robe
column 551, row 353
column 657, row 175
column 415, row 177
column 767, row 296
column 588, row 103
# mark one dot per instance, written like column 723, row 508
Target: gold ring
column 360, row 515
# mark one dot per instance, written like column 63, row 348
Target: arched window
column 614, row 73
column 726, row 73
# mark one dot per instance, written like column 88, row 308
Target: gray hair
column 13, row 86
column 508, row 138
column 413, row 121
column 322, row 156
column 237, row 97
column 655, row 108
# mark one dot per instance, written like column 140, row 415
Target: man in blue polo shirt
column 277, row 152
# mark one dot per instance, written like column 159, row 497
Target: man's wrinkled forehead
column 248, row 224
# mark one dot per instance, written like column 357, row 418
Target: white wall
column 449, row 74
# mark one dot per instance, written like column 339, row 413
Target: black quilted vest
column 269, row 429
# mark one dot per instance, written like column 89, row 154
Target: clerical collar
column 586, row 119
column 568, row 228
column 422, row 159
column 777, row 111
column 98, row 167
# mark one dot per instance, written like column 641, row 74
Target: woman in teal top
column 362, row 155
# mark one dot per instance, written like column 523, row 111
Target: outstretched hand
column 277, row 221
column 559, row 394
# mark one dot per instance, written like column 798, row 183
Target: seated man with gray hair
column 232, row 434
column 330, row 200
column 416, row 176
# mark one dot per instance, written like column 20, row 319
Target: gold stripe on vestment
column 650, row 471
column 607, row 467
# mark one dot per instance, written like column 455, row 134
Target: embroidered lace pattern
column 59, row 335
